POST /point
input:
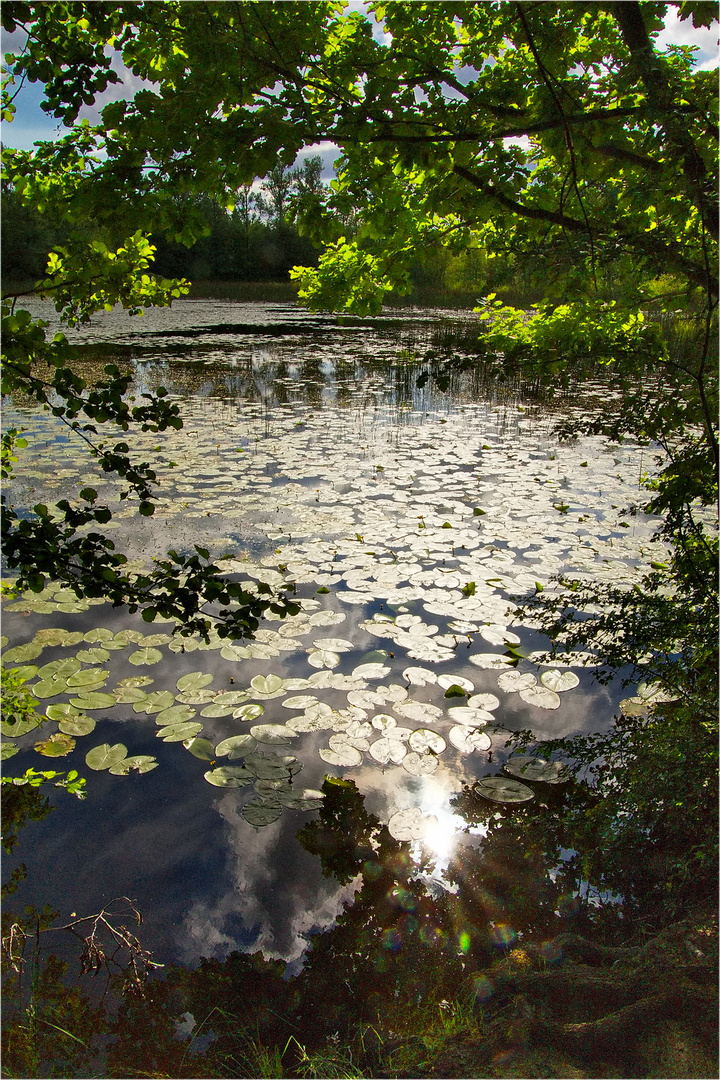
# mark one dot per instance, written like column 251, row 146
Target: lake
column 406, row 520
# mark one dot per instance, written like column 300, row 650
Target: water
column 311, row 458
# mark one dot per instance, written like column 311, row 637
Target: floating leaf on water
column 307, row 799
column 527, row 767
column 136, row 680
column 200, row 748
column 654, row 693
column 175, row 714
column 514, row 681
column 183, row 645
column 61, row 711
column 196, row 697
column 8, row 750
column 418, row 711
column 20, row 654
column 49, row 636
column 273, row 733
column 141, row 763
column 100, row 633
column 421, row 764
column 129, row 695
column 178, row 732
column 468, row 739
column 267, row 765
column 235, row 747
column 92, row 701
column 20, row 727
column 455, row 691
column 300, row 702
column 488, row 702
column 58, row 745
column 145, row 656
column 540, row 697
column 499, row 789
column 448, row 681
column 423, row 740
column 235, row 652
column 260, row 813
column 559, row 680
column 77, row 725
column 231, row 697
column 388, row 750
column 194, row 680
column 158, row 701
column 334, row 644
column 249, row 712
column 26, row 671
column 229, row 776
column 93, row 656
column 463, row 627
column 323, row 658
column 49, row 688
column 59, row 668
column 635, row 706
column 407, row 825
column 384, row 722
column 346, row 757
column 126, row 637
column 215, row 710
column 268, row 686
column 370, row 671
column 490, row 661
column 103, row 756
column 462, row 714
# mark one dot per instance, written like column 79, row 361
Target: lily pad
column 273, row 733
column 514, row 681
column 490, row 661
column 178, row 732
column 267, row 765
column 488, row 702
column 20, row 654
column 468, row 739
column 59, row 668
column 499, row 789
column 370, row 671
column 176, row 714
column 407, row 825
column 249, row 712
column 195, row 680
column 346, row 757
column 103, row 756
column 449, row 681
column 462, row 714
column 77, row 725
column 388, row 750
column 541, row 697
column 558, row 681
column 200, row 748
column 145, row 656
column 87, row 677
column 58, row 745
column 141, row 763
column 423, row 740
column 421, row 764
column 257, row 812
column 527, row 767
column 93, row 700
column 229, row 776
column 235, row 747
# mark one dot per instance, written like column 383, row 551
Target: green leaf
column 104, row 756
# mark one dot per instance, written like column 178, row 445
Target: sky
column 31, row 123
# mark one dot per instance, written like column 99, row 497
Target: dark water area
column 407, row 520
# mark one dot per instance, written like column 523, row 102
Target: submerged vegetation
column 557, row 141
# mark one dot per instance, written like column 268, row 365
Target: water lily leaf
column 527, row 767
column 197, row 697
column 61, row 711
column 87, row 677
column 141, row 763
column 218, row 710
column 235, row 747
column 20, row 727
column 260, row 813
column 300, row 702
column 421, row 764
column 195, row 680
column 178, row 732
column 124, row 637
column 103, row 756
column 323, row 658
column 635, row 706
column 158, row 701
column 229, row 776
column 8, row 750
column 423, row 740
column 200, row 748
column 334, row 644
column 470, row 717
column 540, row 697
column 58, row 745
column 136, row 680
column 311, row 721
column 370, row 671
column 488, row 702
column 235, row 653
column 49, row 688
column 100, row 633
column 447, row 681
column 59, row 668
column 175, row 714
column 468, row 739
column 307, row 799
column 273, row 733
column 418, row 711
column 559, row 680
column 77, row 725
column 514, row 681
column 388, row 750
column 93, row 656
column 26, row 671
column 654, row 692
column 384, row 722
column 267, row 765
column 50, row 636
column 231, row 697
column 249, row 712
column 267, row 685
column 145, row 656
column 129, row 695
column 490, row 661
column 499, row 789
column 407, row 825
column 346, row 757
column 91, row 700
column 20, row 654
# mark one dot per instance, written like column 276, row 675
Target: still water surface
column 311, row 459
